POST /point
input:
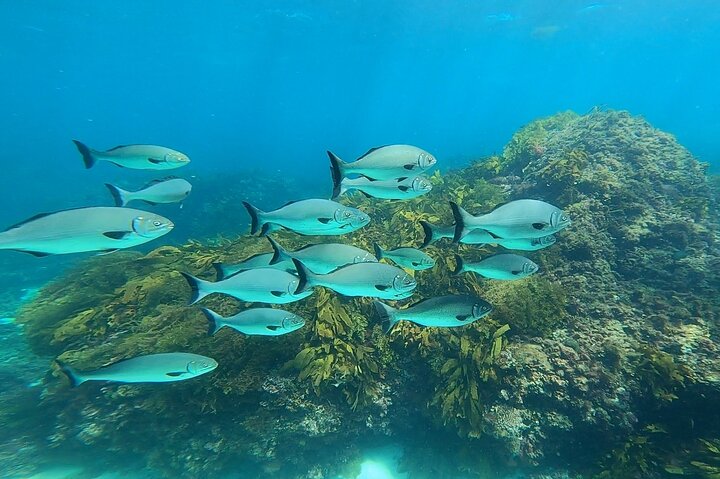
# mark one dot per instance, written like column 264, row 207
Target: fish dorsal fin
column 289, row 203
column 371, row 150
column 118, row 147
column 160, row 180
column 33, row 218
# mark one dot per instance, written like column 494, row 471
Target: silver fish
column 137, row 157
column 322, row 258
column 261, row 260
column 102, row 228
column 409, row 258
column 308, row 217
column 403, row 188
column 516, row 219
column 377, row 280
column 500, row 266
column 527, row 244
column 261, row 285
column 153, row 368
column 256, row 321
column 383, row 163
column 171, row 190
column 434, row 233
column 444, row 311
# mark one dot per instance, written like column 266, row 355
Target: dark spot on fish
column 116, row 235
column 515, row 272
column 324, row 220
column 539, row 226
column 462, row 317
column 381, row 287
column 175, row 374
column 273, row 328
column 415, row 263
column 278, row 293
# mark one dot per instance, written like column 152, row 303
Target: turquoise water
column 255, row 93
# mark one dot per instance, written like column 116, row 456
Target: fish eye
column 157, row 223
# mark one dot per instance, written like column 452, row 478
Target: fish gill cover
column 605, row 364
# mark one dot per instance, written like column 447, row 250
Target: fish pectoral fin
column 402, row 178
column 155, row 161
column 324, row 220
column 382, row 287
column 540, row 226
column 272, row 328
column 462, row 317
column 116, row 235
column 278, row 294
column 175, row 374
column 409, row 167
column 403, row 188
column 515, row 272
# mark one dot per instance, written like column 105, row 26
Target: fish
column 516, row 219
column 136, row 157
column 261, row 260
column 169, row 190
column 383, row 163
column 308, row 217
column 100, row 228
column 402, row 188
column 409, row 258
column 261, row 285
column 152, row 368
column 256, row 321
column 500, row 266
column 377, row 280
column 322, row 258
column 527, row 244
column 434, row 233
column 443, row 311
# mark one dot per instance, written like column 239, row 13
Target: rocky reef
column 605, row 364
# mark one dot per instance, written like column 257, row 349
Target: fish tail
column 215, row 320
column 220, row 270
column 119, row 195
column 307, row 277
column 198, row 287
column 461, row 217
column 459, row 265
column 336, row 168
column 279, row 253
column 386, row 315
column 75, row 378
column 428, row 229
column 378, row 251
column 255, row 217
column 86, row 153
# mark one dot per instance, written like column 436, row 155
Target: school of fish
column 393, row 172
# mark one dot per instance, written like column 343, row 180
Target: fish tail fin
column 256, row 219
column 459, row 265
column 75, row 378
column 336, row 168
column 119, row 195
column 198, row 286
column 386, row 315
column 378, row 251
column 86, row 153
column 279, row 253
column 307, row 277
column 215, row 320
column 461, row 218
column 429, row 230
column 220, row 270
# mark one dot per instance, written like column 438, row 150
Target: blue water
column 269, row 86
